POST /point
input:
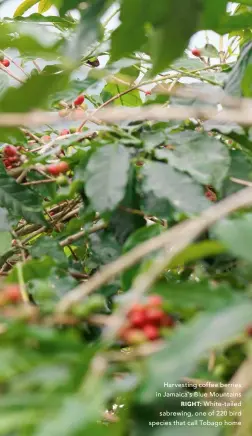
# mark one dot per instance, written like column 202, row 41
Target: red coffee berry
column 13, row 159
column 5, row 62
column 154, row 315
column 249, row 330
column 138, row 319
column 79, row 100
column 196, row 52
column 10, row 151
column 46, row 138
column 64, row 132
column 155, row 300
column 12, row 293
column 151, row 332
column 147, row 93
column 210, row 195
column 135, row 309
column 6, row 162
column 63, row 166
column 58, row 168
column 168, row 321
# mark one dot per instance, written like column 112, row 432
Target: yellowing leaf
column 24, row 6
column 44, row 5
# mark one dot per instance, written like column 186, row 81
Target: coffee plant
column 126, row 218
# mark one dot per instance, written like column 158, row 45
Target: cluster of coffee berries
column 145, row 322
column 5, row 62
column 11, row 157
column 10, row 294
column 58, row 168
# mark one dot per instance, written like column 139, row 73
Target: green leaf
column 124, row 221
column 12, row 135
column 24, row 6
column 235, row 23
column 107, row 176
column 5, row 240
column 47, row 246
column 87, row 32
column 139, row 236
column 104, row 247
column 213, row 12
column 235, row 78
column 206, row 159
column 29, row 39
column 130, row 99
column 188, row 345
column 240, row 168
column 246, row 2
column 196, row 295
column 4, row 224
column 20, row 200
column 169, row 40
column 197, row 251
column 33, row 93
column 130, row 35
column 44, row 5
column 247, row 82
column 166, row 183
column 236, row 235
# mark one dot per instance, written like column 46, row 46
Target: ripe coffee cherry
column 59, row 168
column 12, row 293
column 135, row 309
column 79, row 100
column 210, row 195
column 46, row 138
column 168, row 321
column 13, row 159
column 64, row 132
column 151, row 332
column 155, row 300
column 138, row 319
column 5, row 63
column 154, row 315
column 249, row 330
column 10, row 151
column 196, row 52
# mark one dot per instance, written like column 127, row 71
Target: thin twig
column 70, row 239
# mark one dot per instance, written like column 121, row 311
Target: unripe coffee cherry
column 62, row 180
